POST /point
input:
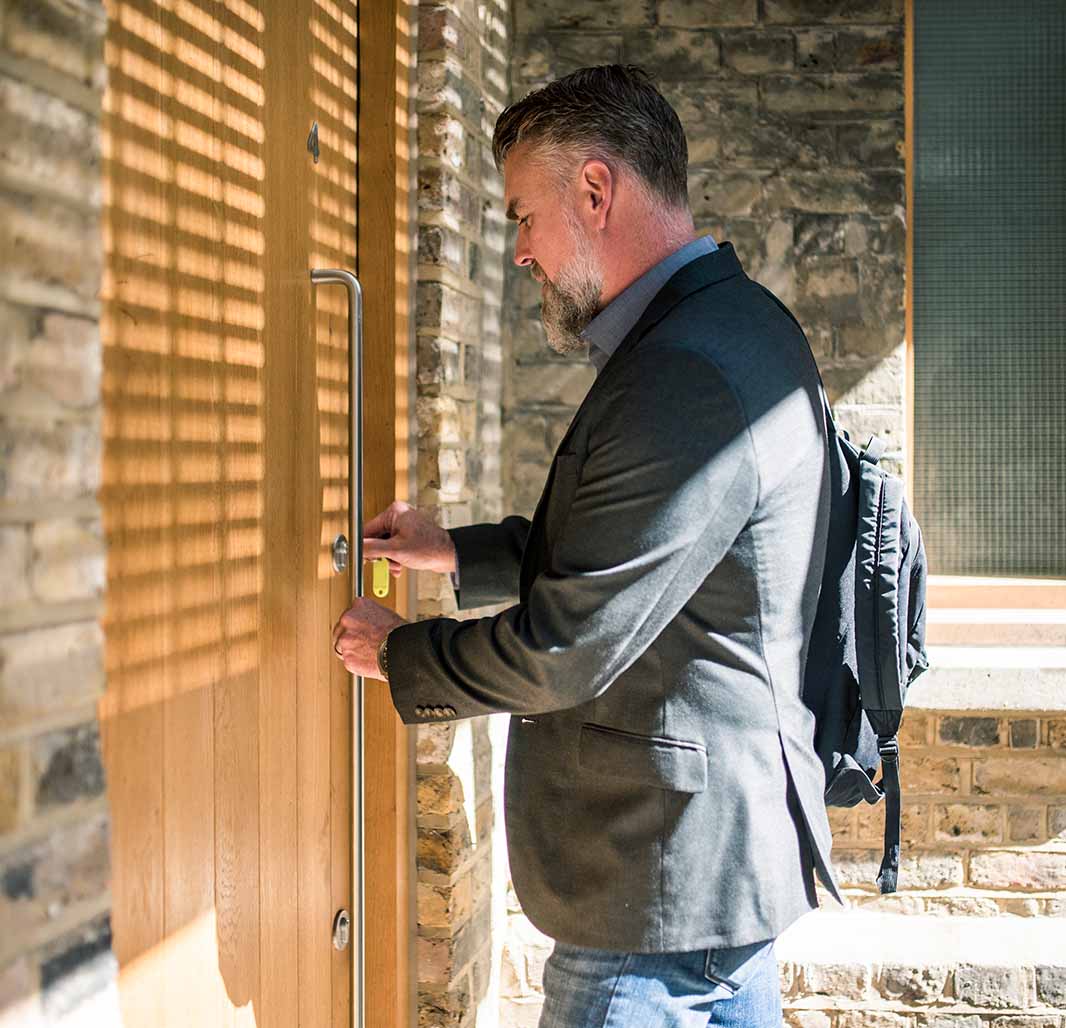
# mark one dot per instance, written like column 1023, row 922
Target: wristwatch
column 383, row 659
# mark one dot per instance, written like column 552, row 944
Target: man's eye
column 524, row 220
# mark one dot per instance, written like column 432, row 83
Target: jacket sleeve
column 488, row 561
column 667, row 484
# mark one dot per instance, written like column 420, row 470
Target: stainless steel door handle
column 355, row 409
column 355, row 534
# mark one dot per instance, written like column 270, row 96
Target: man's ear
column 597, row 193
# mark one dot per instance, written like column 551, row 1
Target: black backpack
column 868, row 640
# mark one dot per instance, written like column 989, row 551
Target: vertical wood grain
column 286, row 331
column 134, row 390
column 227, row 723
column 334, row 104
column 191, row 989
column 324, row 424
column 386, row 56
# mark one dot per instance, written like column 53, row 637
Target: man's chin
column 563, row 341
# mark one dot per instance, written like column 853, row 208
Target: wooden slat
column 192, row 991
column 132, row 735
column 326, row 788
column 287, row 323
column 237, row 857
column 386, row 60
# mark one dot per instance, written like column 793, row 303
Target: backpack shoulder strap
column 879, row 643
column 877, row 571
column 875, row 450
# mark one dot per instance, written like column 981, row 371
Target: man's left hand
column 358, row 634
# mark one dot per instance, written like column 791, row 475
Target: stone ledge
column 862, row 938
column 1030, row 678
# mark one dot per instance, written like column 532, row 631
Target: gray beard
column 567, row 307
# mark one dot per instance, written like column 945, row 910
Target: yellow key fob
column 381, row 577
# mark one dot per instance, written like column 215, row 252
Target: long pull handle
column 355, row 533
column 355, row 407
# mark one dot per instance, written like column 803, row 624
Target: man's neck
column 641, row 252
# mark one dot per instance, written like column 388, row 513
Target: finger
column 374, row 549
column 382, row 524
column 379, row 524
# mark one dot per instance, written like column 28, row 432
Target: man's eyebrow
column 512, row 209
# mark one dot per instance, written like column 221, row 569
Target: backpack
column 868, row 640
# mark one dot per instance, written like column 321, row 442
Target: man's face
column 553, row 244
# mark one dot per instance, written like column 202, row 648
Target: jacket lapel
column 696, row 275
column 699, row 274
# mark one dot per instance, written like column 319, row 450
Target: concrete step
column 964, row 626
column 866, row 969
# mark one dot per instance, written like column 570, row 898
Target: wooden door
column 227, row 723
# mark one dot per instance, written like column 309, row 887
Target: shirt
column 606, row 331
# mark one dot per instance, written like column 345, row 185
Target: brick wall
column 984, row 818
column 55, row 960
column 462, row 76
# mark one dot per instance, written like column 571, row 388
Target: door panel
column 227, row 723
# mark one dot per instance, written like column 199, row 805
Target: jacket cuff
column 415, row 695
column 483, row 576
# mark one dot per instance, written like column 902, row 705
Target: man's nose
column 523, row 256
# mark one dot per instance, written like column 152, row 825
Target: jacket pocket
column 672, row 764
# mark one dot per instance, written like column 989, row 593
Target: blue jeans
column 727, row 988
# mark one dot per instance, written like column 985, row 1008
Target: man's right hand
column 408, row 539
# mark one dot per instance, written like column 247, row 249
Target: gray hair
column 613, row 112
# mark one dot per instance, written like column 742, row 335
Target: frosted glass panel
column 990, row 285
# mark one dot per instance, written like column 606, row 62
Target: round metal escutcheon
column 340, row 553
column 342, row 929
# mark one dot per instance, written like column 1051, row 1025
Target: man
column 663, row 798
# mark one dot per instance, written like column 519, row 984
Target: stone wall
column 892, row 971
column 462, row 77
column 55, row 959
column 794, row 116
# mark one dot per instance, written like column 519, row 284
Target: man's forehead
column 516, row 179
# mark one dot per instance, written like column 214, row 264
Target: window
column 989, row 285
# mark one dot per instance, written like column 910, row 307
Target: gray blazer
column 662, row 790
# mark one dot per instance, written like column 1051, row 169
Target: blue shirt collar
column 606, row 331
